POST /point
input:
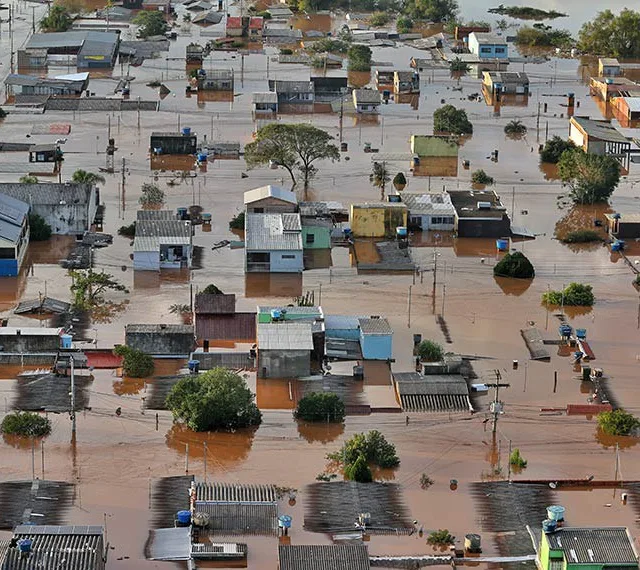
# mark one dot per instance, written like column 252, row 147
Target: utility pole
column 205, row 461
column 538, row 124
column 33, row 458
column 33, row 19
column 409, row 309
column 617, row 469
column 496, row 405
column 435, row 272
column 509, row 464
column 341, row 114
column 123, row 183
column 444, row 294
column 73, row 396
column 186, row 459
column 108, row 128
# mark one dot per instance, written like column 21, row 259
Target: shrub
column 39, row 230
column 211, row 289
column 618, row 422
column 3, row 113
column 25, row 424
column 399, row 181
column 515, row 265
column 515, row 127
column 217, row 399
column 430, row 351
column 359, row 58
column 286, row 51
column 28, row 179
column 457, row 65
column 440, row 538
column 320, row 407
column 358, row 471
column 516, row 460
column 135, row 363
column 554, row 148
column 128, row 231
column 575, row 295
column 379, row 19
column 404, row 25
column 237, row 222
column 582, row 236
column 481, row 177
column 448, row 119
column 373, row 445
column 331, row 45
column 152, row 195
column 425, row 481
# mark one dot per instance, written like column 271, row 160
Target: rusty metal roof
column 217, row 304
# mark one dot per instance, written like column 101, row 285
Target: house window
column 258, row 210
column 311, row 238
column 485, row 50
column 436, row 220
column 288, row 256
column 500, row 50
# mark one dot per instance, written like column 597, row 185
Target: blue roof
column 12, row 215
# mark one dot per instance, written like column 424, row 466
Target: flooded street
column 114, row 459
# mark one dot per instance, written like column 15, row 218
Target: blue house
column 376, row 338
column 344, row 327
column 14, row 234
column 488, row 46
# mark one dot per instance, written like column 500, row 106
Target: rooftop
column 209, row 17
column 283, row 86
column 270, row 191
column 270, row 232
column 602, row 130
column 633, row 218
column 164, row 228
column 264, row 97
column 48, row 193
column 286, row 335
column 143, row 215
column 519, row 77
column 609, row 61
column 366, row 96
column 215, row 304
column 234, row 22
column 12, row 215
column 324, row 557
column 432, row 392
column 489, row 38
column 158, row 329
column 612, row 545
column 32, row 80
column 404, row 75
column 466, row 204
column 310, row 311
column 321, row 208
column 375, row 205
column 256, row 22
column 375, row 325
column 434, row 203
column 434, row 145
column 30, row 331
column 633, row 103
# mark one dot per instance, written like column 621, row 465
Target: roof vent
column 484, row 205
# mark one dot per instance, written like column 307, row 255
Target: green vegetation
column 608, row 35
column 582, row 236
column 285, row 51
column 516, row 265
column 448, row 119
column 372, row 445
column 432, row 10
column 590, row 177
column 28, row 179
column 331, row 45
column 574, row 295
column 526, row 13
column 320, row 407
column 326, row 477
column 39, row 230
column 358, row 471
column 481, row 177
column 3, row 113
column 540, row 35
column 379, row 19
column 179, row 309
column 379, row 176
column 211, row 289
column 440, row 538
column 88, row 287
column 135, row 363
column 618, row 422
column 458, row 66
column 399, row 181
column 347, row 5
column 404, row 25
column 128, row 231
column 515, row 128
column 295, row 147
column 25, row 424
column 151, row 23
column 237, row 222
column 152, row 195
column 58, row 19
column 430, row 351
column 516, row 460
column 217, row 399
column 82, row 176
column 359, row 58
column 425, row 481
column 554, row 148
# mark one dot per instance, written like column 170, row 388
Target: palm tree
column 379, row 176
column 515, row 127
column 84, row 177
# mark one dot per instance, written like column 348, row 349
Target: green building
column 316, row 233
column 291, row 313
column 588, row 549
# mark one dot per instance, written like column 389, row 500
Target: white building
column 273, row 243
column 162, row 243
column 432, row 211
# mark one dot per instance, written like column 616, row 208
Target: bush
column 399, row 181
column 218, row 399
column 448, row 119
column 458, row 66
column 39, row 230
column 440, row 538
column 211, row 289
column 554, row 148
column 574, row 295
column 430, row 351
column 3, row 113
column 372, row 445
column 359, row 58
column 481, row 177
column 515, row 127
column 515, row 265
column 152, row 23
column 379, row 19
column 128, row 231
column 237, row 222
column 582, row 236
column 28, row 179
column 286, row 51
column 618, row 422
column 359, row 471
column 404, row 25
column 320, row 407
column 135, row 363
column 541, row 35
column 425, row 481
column 330, row 45
column 25, row 424
column 152, row 195
column 516, row 460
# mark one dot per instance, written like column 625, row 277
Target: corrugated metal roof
column 268, row 97
column 594, row 545
column 310, row 311
column 369, row 325
column 291, row 223
column 270, row 191
column 602, row 130
column 436, row 203
column 324, row 557
column 285, row 336
column 366, row 96
column 169, row 544
column 416, row 383
column 283, row 86
column 164, row 228
column 158, row 329
column 233, row 360
column 30, row 331
column 342, row 322
column 266, row 232
column 155, row 215
column 12, row 215
column 48, row 193
column 207, row 303
column 56, row 40
column 234, row 493
column 633, row 103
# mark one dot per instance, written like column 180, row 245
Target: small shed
column 316, row 233
column 432, row 393
column 264, row 104
column 30, row 339
column 366, row 101
column 284, row 349
column 184, row 142
column 608, row 67
column 323, row 556
column 44, row 153
column 497, row 83
column 437, row 155
column 624, row 226
column 376, row 338
column 161, row 340
column 270, row 199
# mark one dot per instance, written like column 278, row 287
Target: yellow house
column 378, row 219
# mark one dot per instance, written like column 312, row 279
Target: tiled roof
column 324, row 557
column 215, row 304
column 372, row 325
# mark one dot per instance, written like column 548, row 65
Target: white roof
column 434, row 203
column 273, row 232
column 285, row 336
column 270, row 191
column 488, row 38
column 30, row 331
column 73, row 76
column 153, row 243
column 633, row 103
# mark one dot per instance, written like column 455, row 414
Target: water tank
column 549, row 526
column 358, row 372
column 66, row 340
column 284, row 521
column 276, row 314
column 502, row 244
column 401, row 231
column 182, row 213
column 555, row 513
column 581, row 333
column 344, row 147
column 206, row 218
column 183, row 518
column 202, row 157
column 186, row 131
column 194, row 366
column 565, row 329
column 24, row 545
column 472, row 542
column 416, row 161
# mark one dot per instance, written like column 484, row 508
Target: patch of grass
column 582, row 236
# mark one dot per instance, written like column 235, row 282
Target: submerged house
column 160, row 340
column 601, row 138
column 14, row 234
column 285, row 349
column 419, row 392
column 162, row 243
column 61, row 86
column 479, row 213
column 270, row 199
column 434, row 155
column 498, row 83
column 430, row 211
column 606, row 88
column 488, row 45
column 184, row 142
column 377, row 219
column 264, row 104
column 627, row 110
column 367, row 101
column 30, row 339
column 216, row 80
column 92, row 49
column 376, row 338
column 623, row 226
column 273, row 243
column 406, row 82
column 293, row 96
column 217, row 319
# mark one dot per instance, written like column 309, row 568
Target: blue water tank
column 184, row 518
column 202, row 157
column 284, row 521
column 502, row 244
column 416, row 161
column 66, row 340
column 25, row 544
column 401, row 231
column 581, row 333
column 186, row 131
column 565, row 329
column 276, row 314
column 206, row 218
column 549, row 526
column 194, row 366
column 555, row 513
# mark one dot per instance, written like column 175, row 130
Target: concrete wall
column 161, row 343
column 284, row 364
column 321, row 237
column 29, row 343
column 487, row 228
column 376, row 346
column 270, row 205
column 376, row 222
column 426, row 222
column 68, row 219
column 286, row 262
column 146, row 260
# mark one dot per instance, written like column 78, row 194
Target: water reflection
column 583, row 217
column 128, row 386
column 610, row 441
column 21, row 442
column 321, row 432
column 549, row 170
column 50, row 251
column 511, row 286
column 272, row 285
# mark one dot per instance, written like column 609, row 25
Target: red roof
column 234, row 22
column 256, row 23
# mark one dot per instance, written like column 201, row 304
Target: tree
column 152, row 195
column 590, row 177
column 28, row 179
column 379, row 176
column 448, row 119
column 88, row 287
column 320, row 407
column 379, row 19
column 331, row 45
column 211, row 289
column 430, row 351
column 404, row 25
column 581, row 236
column 39, row 230
column 440, row 538
column 3, row 113
column 25, row 424
column 399, row 181
column 432, row 10
column 358, row 471
column 295, row 147
column 458, row 66
column 481, row 177
column 84, row 177
column 372, row 445
column 237, row 222
column 516, row 265
column 217, row 399
column 543, row 36
column 575, row 295
column 618, row 422
column 58, row 19
column 515, row 128
column 554, row 148
column 359, row 58
column 151, row 22
column 608, row 35
column 516, row 460
column 128, row 231
column 135, row 363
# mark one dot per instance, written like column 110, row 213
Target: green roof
column 432, row 145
